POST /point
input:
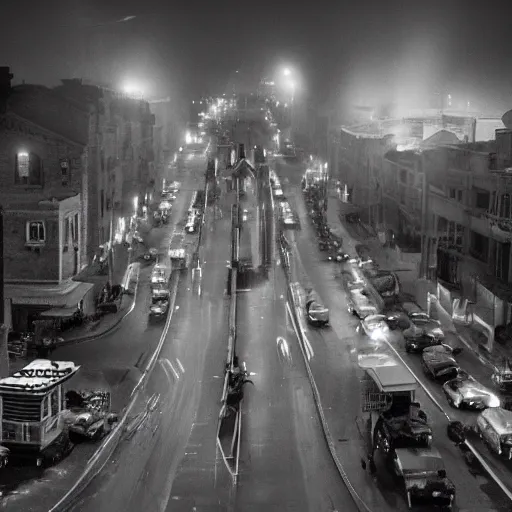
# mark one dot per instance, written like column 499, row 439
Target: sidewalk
column 414, row 288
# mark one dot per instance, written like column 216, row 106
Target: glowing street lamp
column 287, row 72
column 133, row 90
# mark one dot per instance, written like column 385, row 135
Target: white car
column 374, row 326
column 466, row 391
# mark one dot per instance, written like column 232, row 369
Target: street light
column 287, row 72
column 133, row 90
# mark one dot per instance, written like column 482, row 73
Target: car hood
column 475, row 390
column 438, row 359
column 418, row 329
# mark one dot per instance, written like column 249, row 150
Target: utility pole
column 4, row 353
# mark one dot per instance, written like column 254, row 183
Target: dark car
column 419, row 343
column 439, row 364
column 159, row 308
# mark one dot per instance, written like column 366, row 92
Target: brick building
column 75, row 174
column 41, row 179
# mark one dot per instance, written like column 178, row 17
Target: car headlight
column 437, row 494
column 494, row 401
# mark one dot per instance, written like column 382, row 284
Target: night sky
column 360, row 52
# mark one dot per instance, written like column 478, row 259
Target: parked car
column 495, row 427
column 439, row 363
column 423, row 474
column 466, row 391
column 374, row 326
column 421, row 324
column 419, row 343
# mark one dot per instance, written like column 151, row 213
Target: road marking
column 180, row 365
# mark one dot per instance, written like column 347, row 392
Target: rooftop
column 40, row 375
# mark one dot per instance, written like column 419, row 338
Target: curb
column 360, row 504
column 82, row 339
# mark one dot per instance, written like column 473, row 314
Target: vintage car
column 466, row 391
column 438, row 362
column 421, row 324
column 359, row 303
column 316, row 313
column 88, row 415
column 374, row 326
column 502, row 376
column 160, row 275
column 193, row 223
column 407, row 429
column 424, row 477
column 160, row 292
column 495, row 427
column 420, row 343
column 159, row 308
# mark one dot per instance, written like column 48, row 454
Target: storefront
column 28, row 302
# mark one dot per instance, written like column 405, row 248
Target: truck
column 398, row 434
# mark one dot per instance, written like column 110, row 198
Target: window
column 36, row 233
column 45, row 413
column 64, row 169
column 504, row 210
column 456, row 194
column 479, row 246
column 482, row 200
column 28, row 169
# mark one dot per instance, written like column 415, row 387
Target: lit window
column 36, row 232
column 28, row 169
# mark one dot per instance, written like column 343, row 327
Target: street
column 334, row 367
column 168, row 458
column 284, row 460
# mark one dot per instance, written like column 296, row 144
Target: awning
column 59, row 313
column 65, row 295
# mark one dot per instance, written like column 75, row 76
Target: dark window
column 28, row 169
column 479, row 247
column 482, row 200
column 504, row 206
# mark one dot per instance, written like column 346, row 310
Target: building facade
column 41, row 180
column 75, row 175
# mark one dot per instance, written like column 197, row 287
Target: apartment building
column 42, row 173
column 74, row 175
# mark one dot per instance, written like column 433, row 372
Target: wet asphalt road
column 284, row 461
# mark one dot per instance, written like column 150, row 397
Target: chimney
column 241, row 151
column 5, row 83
